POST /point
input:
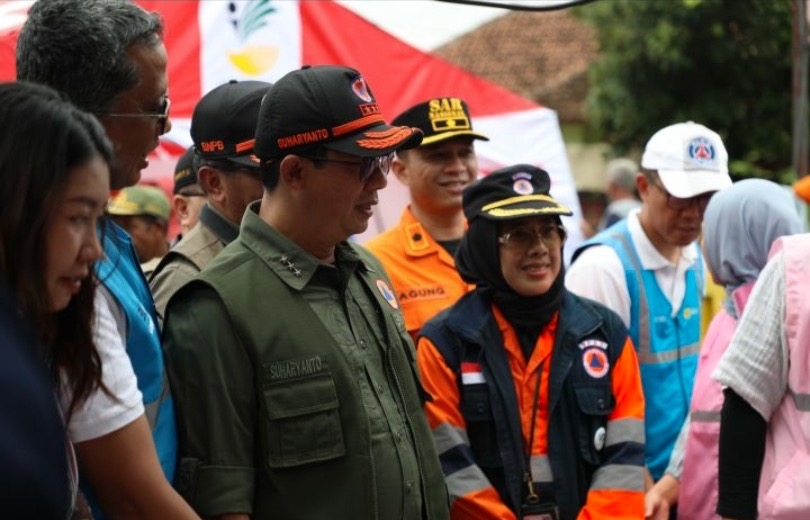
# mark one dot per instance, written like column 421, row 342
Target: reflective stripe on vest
column 800, row 401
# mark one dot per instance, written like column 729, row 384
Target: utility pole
column 800, row 85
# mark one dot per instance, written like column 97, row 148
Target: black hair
column 51, row 138
column 79, row 47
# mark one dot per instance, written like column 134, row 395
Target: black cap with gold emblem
column 439, row 119
column 517, row 191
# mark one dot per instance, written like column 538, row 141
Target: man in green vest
column 293, row 375
column 222, row 126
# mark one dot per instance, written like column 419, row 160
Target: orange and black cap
column 330, row 106
column 223, row 125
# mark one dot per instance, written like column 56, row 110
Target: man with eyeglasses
column 222, row 127
column 418, row 252
column 648, row 269
column 108, row 58
column 294, row 375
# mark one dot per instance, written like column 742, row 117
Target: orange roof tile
column 543, row 56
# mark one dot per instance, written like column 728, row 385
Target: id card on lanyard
column 539, row 512
column 532, row 508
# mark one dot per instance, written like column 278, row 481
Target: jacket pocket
column 595, row 404
column 477, row 411
column 303, row 423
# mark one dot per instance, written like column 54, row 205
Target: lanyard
column 532, row 497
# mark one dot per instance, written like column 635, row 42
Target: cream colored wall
column 588, row 165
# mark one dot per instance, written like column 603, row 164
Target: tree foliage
column 722, row 63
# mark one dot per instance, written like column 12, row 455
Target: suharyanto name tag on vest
column 292, row 368
column 471, row 373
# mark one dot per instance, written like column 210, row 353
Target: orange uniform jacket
column 615, row 489
column 423, row 273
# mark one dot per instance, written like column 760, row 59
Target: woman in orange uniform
column 537, row 408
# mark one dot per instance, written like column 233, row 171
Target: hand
column 656, row 507
column 660, row 497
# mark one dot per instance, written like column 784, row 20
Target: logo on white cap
column 701, row 153
column 690, row 159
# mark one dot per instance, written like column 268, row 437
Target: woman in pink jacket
column 740, row 224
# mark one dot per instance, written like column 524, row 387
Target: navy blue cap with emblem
column 513, row 192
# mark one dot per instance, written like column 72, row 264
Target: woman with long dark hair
column 54, row 183
column 54, row 186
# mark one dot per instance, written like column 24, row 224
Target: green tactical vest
column 313, row 444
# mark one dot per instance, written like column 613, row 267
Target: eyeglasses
column 368, row 165
column 525, row 237
column 162, row 117
column 682, row 204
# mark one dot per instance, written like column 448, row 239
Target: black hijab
column 478, row 262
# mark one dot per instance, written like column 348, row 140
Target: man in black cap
column 222, row 127
column 188, row 197
column 418, row 252
column 294, row 376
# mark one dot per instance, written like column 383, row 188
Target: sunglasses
column 162, row 117
column 368, row 165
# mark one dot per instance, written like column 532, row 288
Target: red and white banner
column 209, row 43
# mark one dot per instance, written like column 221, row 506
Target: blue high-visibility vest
column 120, row 273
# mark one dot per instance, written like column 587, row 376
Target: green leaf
column 254, row 17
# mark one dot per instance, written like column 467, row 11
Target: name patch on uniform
column 292, row 368
column 595, row 362
column 422, row 293
column 471, row 373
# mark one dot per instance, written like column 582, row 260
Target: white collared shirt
column 598, row 272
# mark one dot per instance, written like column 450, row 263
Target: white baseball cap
column 690, row 159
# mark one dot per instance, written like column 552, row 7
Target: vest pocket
column 303, row 423
column 477, row 411
column 595, row 404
